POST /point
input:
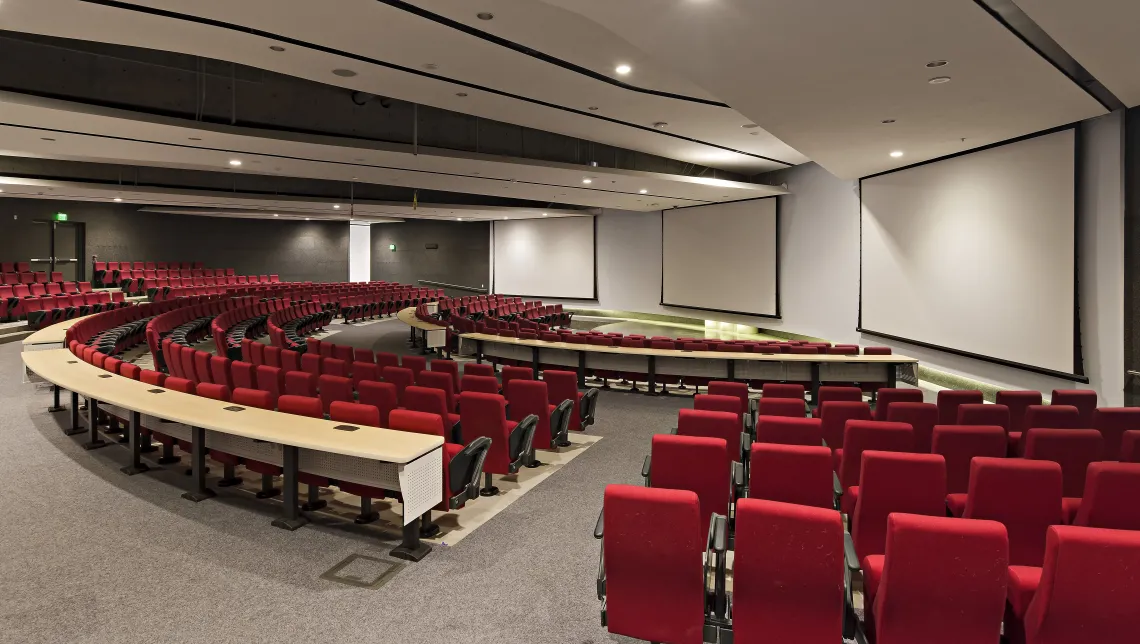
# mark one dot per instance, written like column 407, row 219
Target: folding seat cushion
column 1083, row 399
column 729, row 404
column 700, row 464
column 1110, row 497
column 243, row 375
column 799, row 474
column 959, row 444
column 472, row 369
column 220, row 371
column 300, row 383
column 788, row 574
column 333, row 388
column 334, row 367
column 895, row 482
column 712, row 424
column 834, row 419
column 481, row 384
column 1074, row 449
column 1086, row 593
column 864, row 435
column 311, row 363
column 441, row 381
column 790, row 431
column 432, row 401
column 415, row 363
column 782, row 390
column 382, row 396
column 486, row 415
column 835, row 394
column 941, row 581
column 652, row 551
column 885, row 397
column 1112, row 422
column 449, row 367
column 950, row 399
column 399, row 376
column 1017, row 402
column 1023, row 495
column 922, row 417
column 789, row 407
column 272, row 380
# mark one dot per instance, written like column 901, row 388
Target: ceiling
column 246, row 206
column 499, row 82
column 1102, row 35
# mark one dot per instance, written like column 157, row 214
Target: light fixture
column 461, row 94
column 1, row 190
column 344, row 73
column 391, row 247
column 543, row 214
column 459, row 219
column 235, row 163
column 336, row 206
column 306, row 219
column 623, row 69
column 593, row 108
column 195, row 138
column 485, row 15
column 660, row 125
column 118, row 200
column 506, row 217
column 896, row 154
column 431, row 66
column 750, row 126
column 887, row 121
column 44, row 138
column 276, row 215
column 587, row 181
column 643, row 191
column 938, row 80
column 277, row 48
column 936, row 63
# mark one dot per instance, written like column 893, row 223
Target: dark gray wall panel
column 295, row 250
column 463, row 256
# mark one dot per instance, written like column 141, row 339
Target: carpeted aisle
column 91, row 555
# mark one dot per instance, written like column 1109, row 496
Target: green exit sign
column 391, row 247
column 60, row 216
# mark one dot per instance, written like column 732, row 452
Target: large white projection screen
column 976, row 254
column 545, row 257
column 721, row 257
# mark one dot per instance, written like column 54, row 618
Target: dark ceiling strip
column 534, row 53
column 342, row 163
column 1021, row 25
column 373, row 61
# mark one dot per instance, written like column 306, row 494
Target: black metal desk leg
column 815, row 383
column 892, row 375
column 534, row 361
column 134, row 431
column 75, row 428
column 198, row 467
column 411, row 548
column 478, row 352
column 290, row 518
column 652, row 376
column 581, row 369
column 93, row 440
column 55, row 406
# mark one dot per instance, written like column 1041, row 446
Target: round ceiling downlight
column 344, row 73
column 938, row 80
column 485, row 15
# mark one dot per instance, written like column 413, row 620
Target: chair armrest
column 672, row 431
column 836, row 487
column 749, row 423
column 645, row 469
column 466, row 469
column 599, row 527
column 745, row 446
column 522, row 442
column 602, row 572
column 849, row 554
column 738, row 479
column 716, row 548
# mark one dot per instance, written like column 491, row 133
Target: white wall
column 359, row 252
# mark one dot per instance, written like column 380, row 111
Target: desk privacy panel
column 721, row 257
column 549, row 257
column 976, row 253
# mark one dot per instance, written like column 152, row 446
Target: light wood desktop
column 431, row 335
column 54, row 334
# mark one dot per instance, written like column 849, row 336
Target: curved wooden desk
column 814, row 369
column 384, row 458
column 431, row 335
column 55, row 334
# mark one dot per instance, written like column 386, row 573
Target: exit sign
column 391, row 247
column 60, row 216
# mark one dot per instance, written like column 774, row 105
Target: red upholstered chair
column 886, row 396
column 384, row 359
column 229, row 461
column 1017, row 402
column 202, row 367
column 441, row 381
column 415, row 363
column 334, row 367
column 727, row 388
column 1130, row 447
column 449, row 367
column 155, row 378
column 382, row 396
column 895, row 482
column 729, row 404
column 563, row 385
column 311, row 363
column 1109, row 500
column 313, row 408
column 922, row 417
column 959, row 444
column 481, row 384
column 512, row 373
column 354, row 413
column 950, row 399
column 485, row 415
column 790, row 431
column 864, row 435
column 260, row 400
column 300, row 383
column 272, row 356
column 343, row 353
column 789, row 407
column 981, row 414
column 399, row 376
column 1023, row 495
column 941, row 581
column 788, row 574
column 699, row 464
column 363, row 355
column 362, row 371
column 1048, row 416
column 132, row 371
column 432, row 401
column 1086, row 591
column 712, row 424
column 1112, row 422
column 473, row 369
column 834, row 419
column 290, row 360
column 530, row 397
column 836, row 394
column 334, row 388
column 257, row 353
column 326, row 349
column 1083, row 399
column 272, row 380
column 782, row 390
column 652, row 576
column 220, row 371
column 1074, row 449
column 799, row 474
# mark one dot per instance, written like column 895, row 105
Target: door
column 57, row 246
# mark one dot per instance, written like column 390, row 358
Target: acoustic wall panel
column 551, row 258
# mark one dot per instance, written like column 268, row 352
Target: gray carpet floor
column 91, row 555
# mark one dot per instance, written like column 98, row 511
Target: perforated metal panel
column 702, row 367
column 244, row 447
column 510, row 351
column 853, row 372
column 618, row 362
column 558, row 357
column 352, row 469
column 421, row 484
column 436, row 338
column 177, row 430
column 757, row 370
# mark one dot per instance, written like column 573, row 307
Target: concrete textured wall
column 295, row 250
column 462, row 257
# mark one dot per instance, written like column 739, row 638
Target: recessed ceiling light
column 754, row 133
column 936, row 63
column 623, row 69
column 118, row 199
column 306, row 219
column 235, row 163
column 593, row 108
column 587, row 181
column 46, row 138
column 750, row 126
column 336, row 206
column 195, row 138
column 461, row 94
column 431, row 66
column 660, row 125
column 506, row 217
column 459, row 218
column 643, row 191
column 543, row 214
column 277, row 48
column 896, row 154
column 485, row 15
column 276, row 215
column 887, row 121
column 1, row 191
column 938, row 80
column 344, row 73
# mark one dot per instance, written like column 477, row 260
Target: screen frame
column 1078, row 374
column 768, row 316
column 494, row 284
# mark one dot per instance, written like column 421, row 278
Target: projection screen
column 975, row 254
column 545, row 258
column 722, row 257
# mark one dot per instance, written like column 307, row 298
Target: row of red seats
column 30, row 277
column 10, row 295
column 45, row 311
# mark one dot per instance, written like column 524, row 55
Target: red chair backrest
column 215, row 392
column 439, row 380
column 835, row 394
column 1017, row 402
column 729, row 404
column 300, row 383
column 180, row 384
column 782, row 390
column 950, row 399
column 789, row 431
column 1111, row 491
column 481, row 384
column 864, row 435
column 895, row 482
column 334, row 388
column 959, row 444
column 799, row 474
column 526, row 397
column 1083, row 399
column 384, row 359
column 300, row 406
column 252, row 398
column 271, row 379
column 243, row 375
column 416, row 422
column 699, row 464
column 922, row 417
column 220, row 371
column 789, row 407
column 563, row 385
column 1112, row 422
column 1074, row 449
column 1022, row 495
column 415, row 363
column 726, row 388
column 381, row 395
column 980, row 414
column 711, row 424
column 835, row 416
column 1052, row 416
column 886, row 396
column 450, row 367
column 354, row 413
column 472, row 369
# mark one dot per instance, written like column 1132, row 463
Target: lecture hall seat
column 886, row 396
column 442, row 381
column 713, row 424
column 834, row 419
column 313, row 408
column 1074, row 450
column 860, row 436
column 1112, row 423
column 922, row 417
column 260, row 400
column 835, row 394
column 1023, row 495
column 1083, row 399
column 798, row 474
column 783, row 430
column 485, row 415
column 959, row 444
column 530, row 397
column 892, row 482
column 949, row 400
column 381, row 395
